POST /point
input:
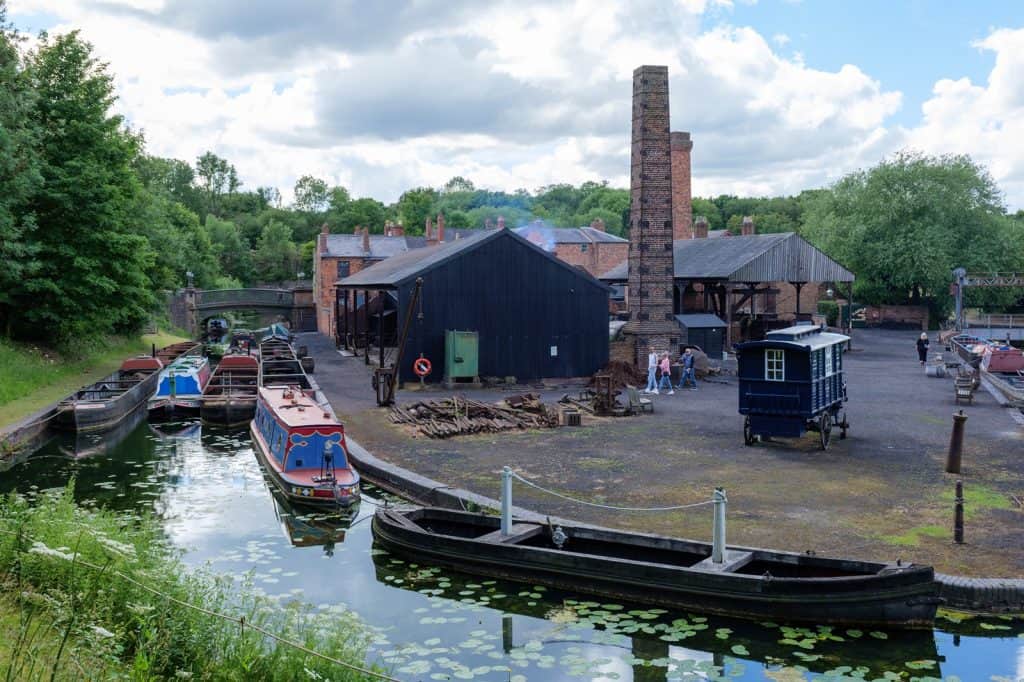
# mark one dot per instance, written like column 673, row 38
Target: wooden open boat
column 169, row 354
column 104, row 404
column 667, row 572
column 280, row 366
column 230, row 396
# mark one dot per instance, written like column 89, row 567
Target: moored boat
column 301, row 446
column 103, row 404
column 280, row 366
column 169, row 354
column 230, row 396
column 667, row 572
column 181, row 385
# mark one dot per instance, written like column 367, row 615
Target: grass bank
column 91, row 594
column 32, row 377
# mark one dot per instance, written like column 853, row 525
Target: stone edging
column 986, row 595
column 23, row 433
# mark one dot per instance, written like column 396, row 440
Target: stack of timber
column 457, row 416
column 622, row 374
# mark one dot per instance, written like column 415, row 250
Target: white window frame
column 774, row 364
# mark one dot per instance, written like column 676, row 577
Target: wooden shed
column 535, row 315
column 703, row 330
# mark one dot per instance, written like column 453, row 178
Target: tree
column 270, row 196
column 458, row 184
column 414, row 207
column 903, row 226
column 20, row 176
column 276, row 257
column 216, row 177
column 365, row 212
column 92, row 265
column 171, row 178
column 311, row 195
column 232, row 252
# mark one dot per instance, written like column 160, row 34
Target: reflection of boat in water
column 102, row 405
column 668, row 572
column 715, row 636
column 309, row 529
column 230, row 396
column 177, row 430
column 82, row 445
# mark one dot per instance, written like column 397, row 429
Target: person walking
column 652, row 369
column 922, row 347
column 689, row 375
column 666, row 373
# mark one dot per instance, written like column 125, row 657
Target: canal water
column 207, row 489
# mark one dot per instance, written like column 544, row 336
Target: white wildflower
column 313, row 675
column 116, row 547
column 42, row 549
column 183, row 674
column 102, row 632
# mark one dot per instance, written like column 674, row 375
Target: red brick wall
column 323, row 288
column 785, row 300
column 682, row 216
column 598, row 258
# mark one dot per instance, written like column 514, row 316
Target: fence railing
column 996, row 321
column 272, row 297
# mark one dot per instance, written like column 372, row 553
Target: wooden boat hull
column 95, row 416
column 611, row 563
column 228, row 410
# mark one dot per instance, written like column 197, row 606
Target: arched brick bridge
column 189, row 307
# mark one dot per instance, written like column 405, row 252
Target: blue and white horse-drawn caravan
column 792, row 382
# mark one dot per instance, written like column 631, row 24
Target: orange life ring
column 421, row 367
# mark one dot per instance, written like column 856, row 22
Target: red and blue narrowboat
column 181, row 385
column 302, row 448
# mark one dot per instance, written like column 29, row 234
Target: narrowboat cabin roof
column 296, row 408
column 238, row 362
column 803, row 336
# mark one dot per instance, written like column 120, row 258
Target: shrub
column 830, row 309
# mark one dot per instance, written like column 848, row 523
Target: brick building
column 590, row 247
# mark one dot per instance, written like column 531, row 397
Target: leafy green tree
column 458, row 184
column 19, row 173
column 216, row 178
column 905, row 224
column 171, row 178
column 311, row 195
column 233, row 254
column 457, row 219
column 270, row 196
column 708, row 209
column 306, row 252
column 92, row 275
column 361, row 212
column 276, row 257
column 414, row 207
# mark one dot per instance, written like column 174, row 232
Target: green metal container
column 461, row 355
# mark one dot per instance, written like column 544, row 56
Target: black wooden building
column 535, row 315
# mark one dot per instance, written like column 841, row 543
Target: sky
column 778, row 95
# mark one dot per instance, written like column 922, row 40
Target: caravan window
column 774, row 364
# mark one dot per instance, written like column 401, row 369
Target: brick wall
column 597, row 258
column 325, row 277
column 785, row 300
column 650, row 248
column 682, row 216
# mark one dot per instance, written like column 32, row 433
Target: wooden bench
column 638, row 403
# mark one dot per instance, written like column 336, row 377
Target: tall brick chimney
column 366, row 240
column 501, row 222
column 440, row 228
column 700, row 228
column 747, row 228
column 682, row 217
column 428, row 231
column 488, row 224
column 597, row 224
column 321, row 240
column 651, row 270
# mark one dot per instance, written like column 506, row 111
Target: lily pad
column 740, row 650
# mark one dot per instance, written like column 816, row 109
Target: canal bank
column 412, row 472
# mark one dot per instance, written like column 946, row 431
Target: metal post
column 506, row 501
column 956, row 444
column 507, row 635
column 718, row 532
column 958, row 514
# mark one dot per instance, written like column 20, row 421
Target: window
column 774, row 364
column 343, row 269
column 583, row 248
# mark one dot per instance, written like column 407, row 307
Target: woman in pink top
column 666, row 373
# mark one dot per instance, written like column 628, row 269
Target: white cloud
column 512, row 94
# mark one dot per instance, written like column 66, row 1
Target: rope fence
column 608, row 506
column 239, row 620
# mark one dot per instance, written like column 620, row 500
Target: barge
column 181, row 385
column 104, row 404
column 230, row 396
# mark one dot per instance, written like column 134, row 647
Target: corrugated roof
column 779, row 257
column 806, row 335
column 700, row 320
column 546, row 236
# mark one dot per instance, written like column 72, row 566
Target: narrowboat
column 792, row 382
column 230, row 396
column 104, row 404
column 667, row 572
column 180, row 389
column 169, row 354
column 279, row 365
column 301, row 446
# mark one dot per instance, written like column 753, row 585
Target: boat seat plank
column 519, row 532
column 730, row 562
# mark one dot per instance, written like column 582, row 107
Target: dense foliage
column 93, row 229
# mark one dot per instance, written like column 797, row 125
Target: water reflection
column 206, row 487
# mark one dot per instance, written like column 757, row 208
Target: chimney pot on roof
column 324, row 229
column 748, row 226
column 501, row 222
column 597, row 224
column 700, row 228
column 440, row 227
column 366, row 240
column 488, row 224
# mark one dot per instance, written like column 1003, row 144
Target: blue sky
column 780, row 95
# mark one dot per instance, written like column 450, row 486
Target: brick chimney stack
column 321, row 240
column 700, row 228
column 440, row 228
column 501, row 222
column 428, row 232
column 366, row 240
column 682, row 200
column 598, row 224
column 651, row 324
column 748, row 226
column 488, row 224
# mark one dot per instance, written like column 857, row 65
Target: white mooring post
column 718, row 531
column 506, row 501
